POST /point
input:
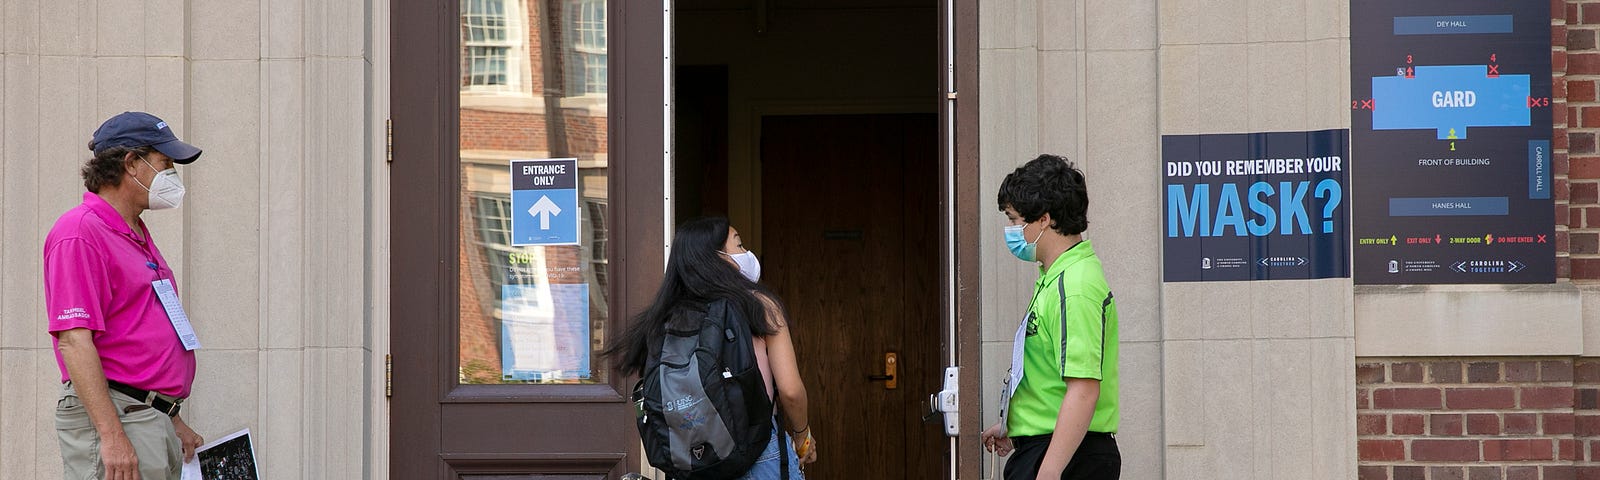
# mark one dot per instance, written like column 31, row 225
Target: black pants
column 1097, row 458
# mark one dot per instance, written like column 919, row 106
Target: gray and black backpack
column 702, row 404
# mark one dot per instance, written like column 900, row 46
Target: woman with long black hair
column 707, row 263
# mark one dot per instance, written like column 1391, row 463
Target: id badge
column 1013, row 376
column 180, row 320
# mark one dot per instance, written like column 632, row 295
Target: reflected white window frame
column 491, row 212
column 587, row 42
column 517, row 66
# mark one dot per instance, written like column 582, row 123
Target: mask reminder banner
column 1450, row 119
column 1255, row 206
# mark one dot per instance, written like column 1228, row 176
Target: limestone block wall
column 1078, row 78
column 1258, row 374
column 268, row 247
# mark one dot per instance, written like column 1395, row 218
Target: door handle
column 891, row 364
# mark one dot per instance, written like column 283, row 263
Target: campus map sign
column 1255, row 206
column 1450, row 137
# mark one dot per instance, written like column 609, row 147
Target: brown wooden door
column 850, row 231
column 452, row 413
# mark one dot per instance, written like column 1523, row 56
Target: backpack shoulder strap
column 733, row 320
column 783, row 447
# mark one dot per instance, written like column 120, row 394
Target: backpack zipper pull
column 727, row 373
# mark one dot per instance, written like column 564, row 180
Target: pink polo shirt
column 97, row 275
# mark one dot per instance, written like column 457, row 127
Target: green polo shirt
column 1071, row 333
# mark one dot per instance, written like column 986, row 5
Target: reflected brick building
column 533, row 85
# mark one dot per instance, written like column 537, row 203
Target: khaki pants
column 154, row 439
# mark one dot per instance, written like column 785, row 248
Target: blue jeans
column 768, row 467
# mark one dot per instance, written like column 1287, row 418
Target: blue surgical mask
column 1020, row 246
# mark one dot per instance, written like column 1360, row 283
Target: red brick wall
column 585, row 133
column 1586, row 425
column 1576, row 61
column 1473, row 419
column 479, row 330
column 487, row 130
column 535, row 48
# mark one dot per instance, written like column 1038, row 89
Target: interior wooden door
column 850, row 227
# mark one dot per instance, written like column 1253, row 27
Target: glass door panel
column 533, row 256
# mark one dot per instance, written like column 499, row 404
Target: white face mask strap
column 147, row 163
column 142, row 185
column 1023, row 229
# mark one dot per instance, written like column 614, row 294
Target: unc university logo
column 678, row 404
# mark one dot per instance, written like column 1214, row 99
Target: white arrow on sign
column 544, row 209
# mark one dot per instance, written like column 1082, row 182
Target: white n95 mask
column 165, row 190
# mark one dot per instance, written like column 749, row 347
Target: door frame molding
column 959, row 18
column 425, row 179
column 423, row 109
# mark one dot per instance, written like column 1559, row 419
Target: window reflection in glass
column 588, row 53
column 489, row 44
column 533, row 86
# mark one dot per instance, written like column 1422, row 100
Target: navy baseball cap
column 139, row 129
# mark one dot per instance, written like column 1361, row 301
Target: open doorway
column 813, row 125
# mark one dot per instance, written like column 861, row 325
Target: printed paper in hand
column 232, row 457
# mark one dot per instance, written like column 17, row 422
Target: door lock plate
column 891, row 372
column 948, row 401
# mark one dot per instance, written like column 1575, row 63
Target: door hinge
column 388, row 140
column 388, row 375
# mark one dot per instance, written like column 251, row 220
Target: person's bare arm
column 89, row 381
column 1072, row 423
column 786, row 374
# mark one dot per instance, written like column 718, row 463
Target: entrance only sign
column 544, row 202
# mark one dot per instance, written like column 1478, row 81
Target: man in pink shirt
column 123, row 343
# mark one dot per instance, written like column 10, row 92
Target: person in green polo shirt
column 1058, row 413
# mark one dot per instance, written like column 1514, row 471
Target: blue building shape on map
column 1402, row 103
